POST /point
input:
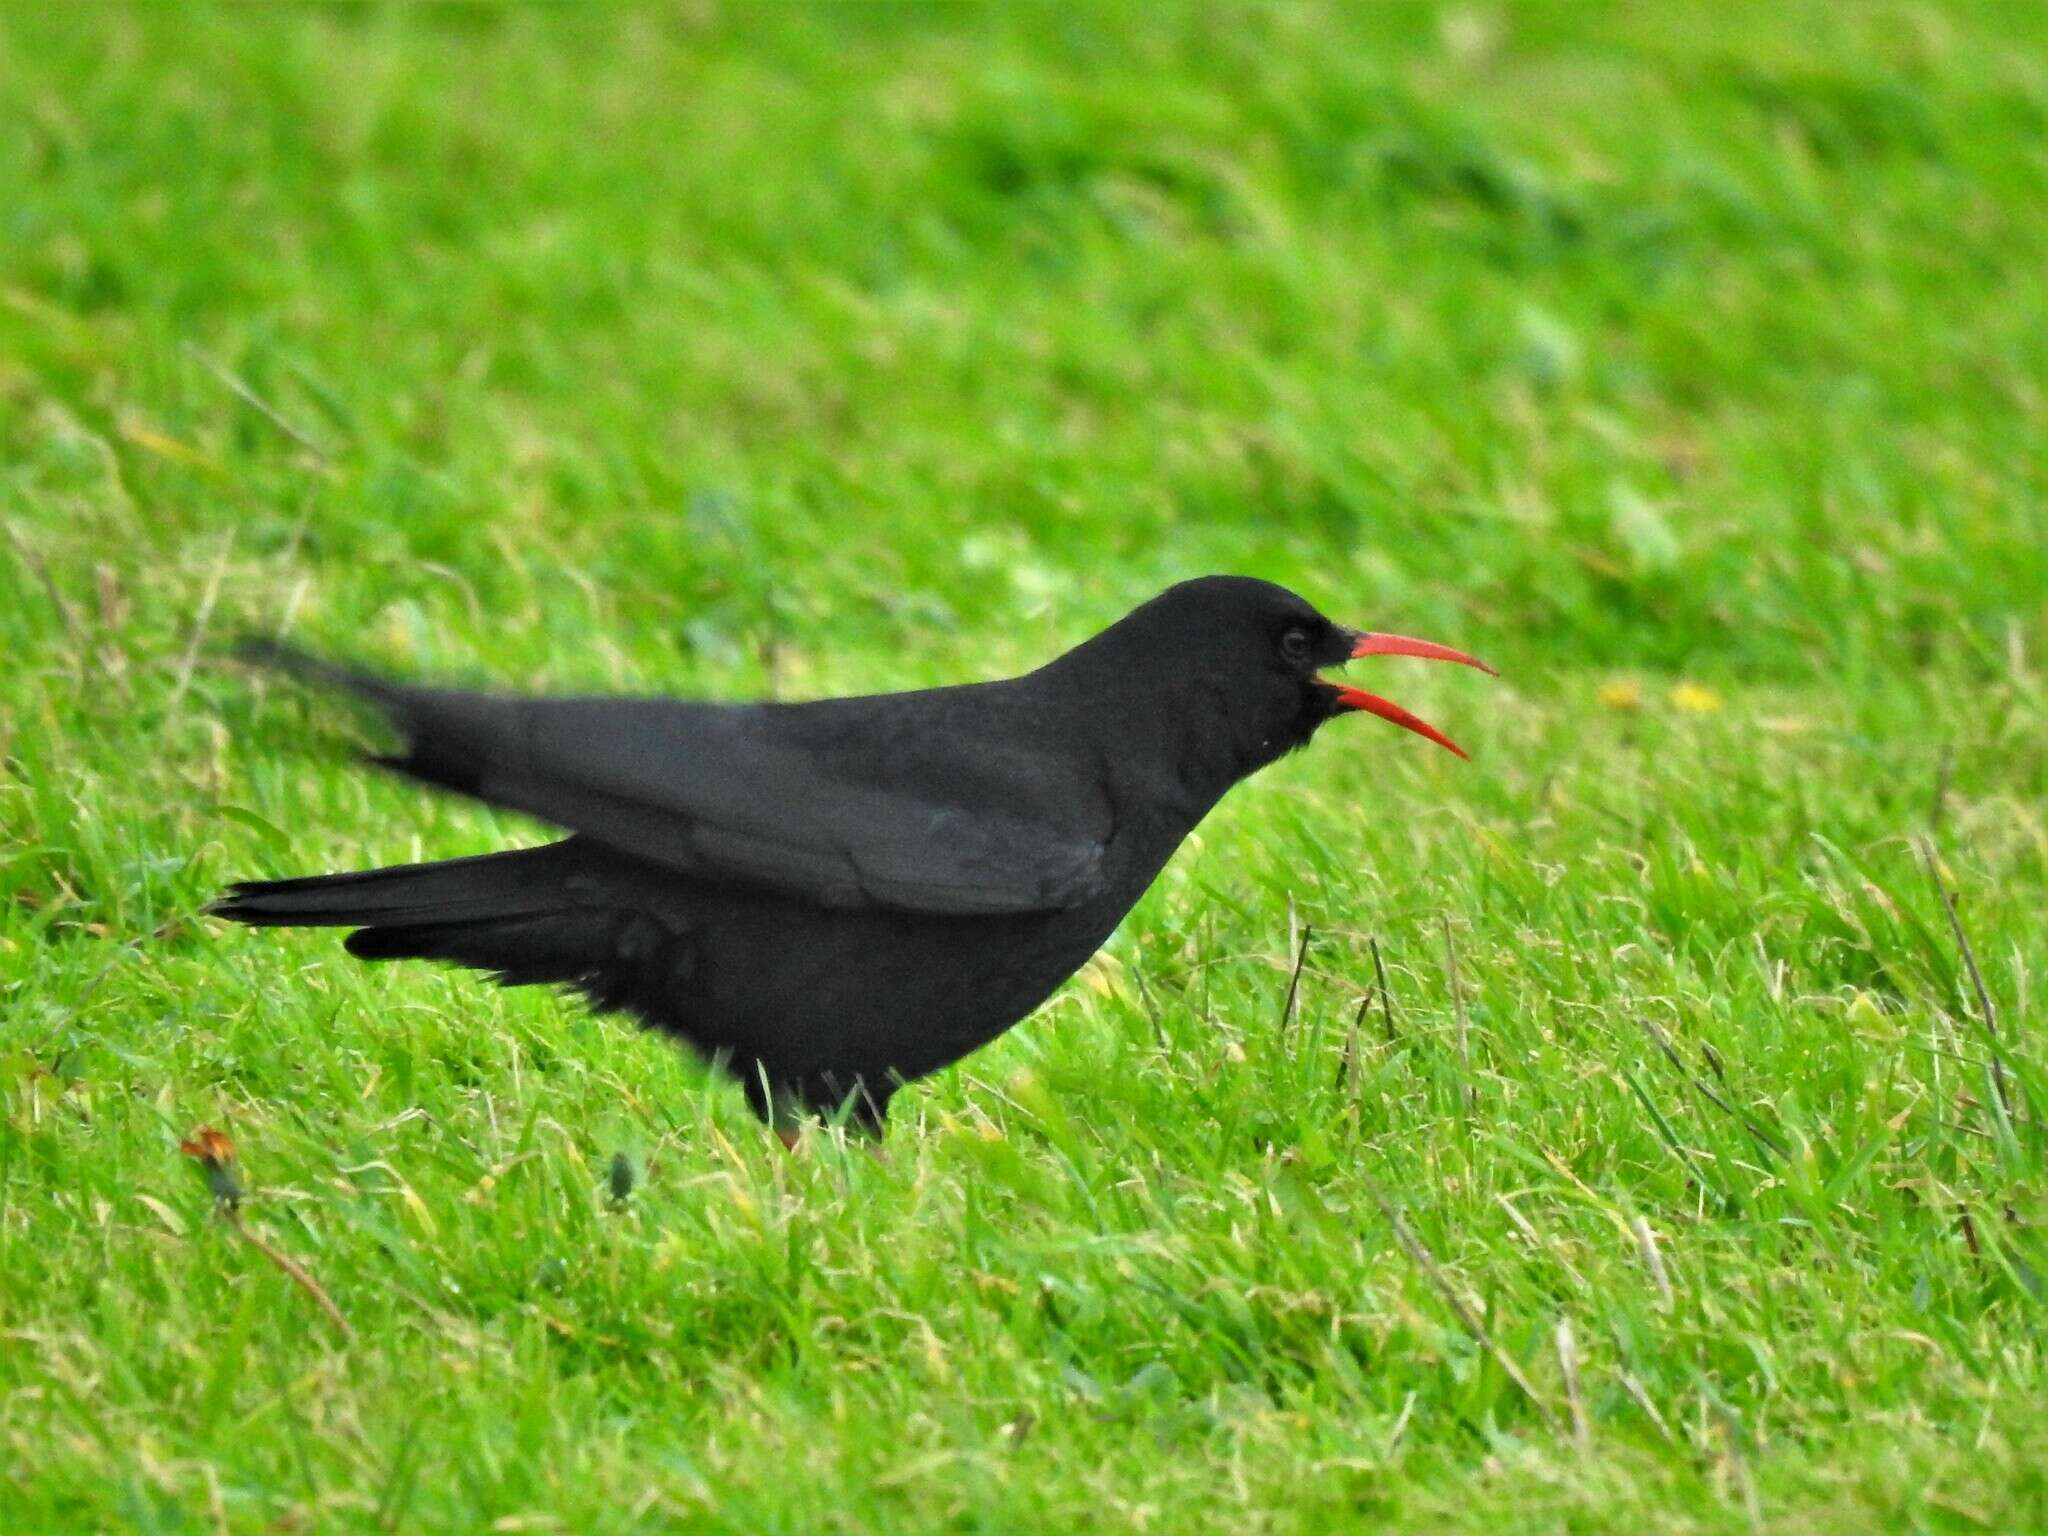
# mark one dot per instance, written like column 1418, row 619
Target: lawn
column 1688, row 363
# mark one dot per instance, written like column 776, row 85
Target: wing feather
column 888, row 806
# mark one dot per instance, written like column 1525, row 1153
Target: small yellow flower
column 1621, row 693
column 1692, row 699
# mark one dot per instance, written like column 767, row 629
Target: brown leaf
column 210, row 1146
column 215, row 1155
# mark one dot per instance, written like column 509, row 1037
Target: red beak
column 1386, row 709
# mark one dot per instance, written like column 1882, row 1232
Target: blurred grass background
column 1687, row 363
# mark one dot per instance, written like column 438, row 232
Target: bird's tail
column 516, row 915
column 523, row 883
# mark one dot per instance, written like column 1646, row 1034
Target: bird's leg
column 870, row 1116
column 781, row 1107
column 788, row 1119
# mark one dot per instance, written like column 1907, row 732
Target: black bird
column 832, row 899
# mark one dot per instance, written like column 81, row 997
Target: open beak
column 1400, row 645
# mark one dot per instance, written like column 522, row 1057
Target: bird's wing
column 869, row 811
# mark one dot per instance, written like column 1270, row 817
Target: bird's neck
column 1173, row 749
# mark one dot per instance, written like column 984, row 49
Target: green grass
column 1687, row 362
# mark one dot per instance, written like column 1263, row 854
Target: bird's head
column 1247, row 659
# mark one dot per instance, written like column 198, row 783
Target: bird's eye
column 1294, row 644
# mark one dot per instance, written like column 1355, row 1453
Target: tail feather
column 524, row 883
column 581, row 948
column 523, row 916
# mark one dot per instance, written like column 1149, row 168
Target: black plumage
column 835, row 898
